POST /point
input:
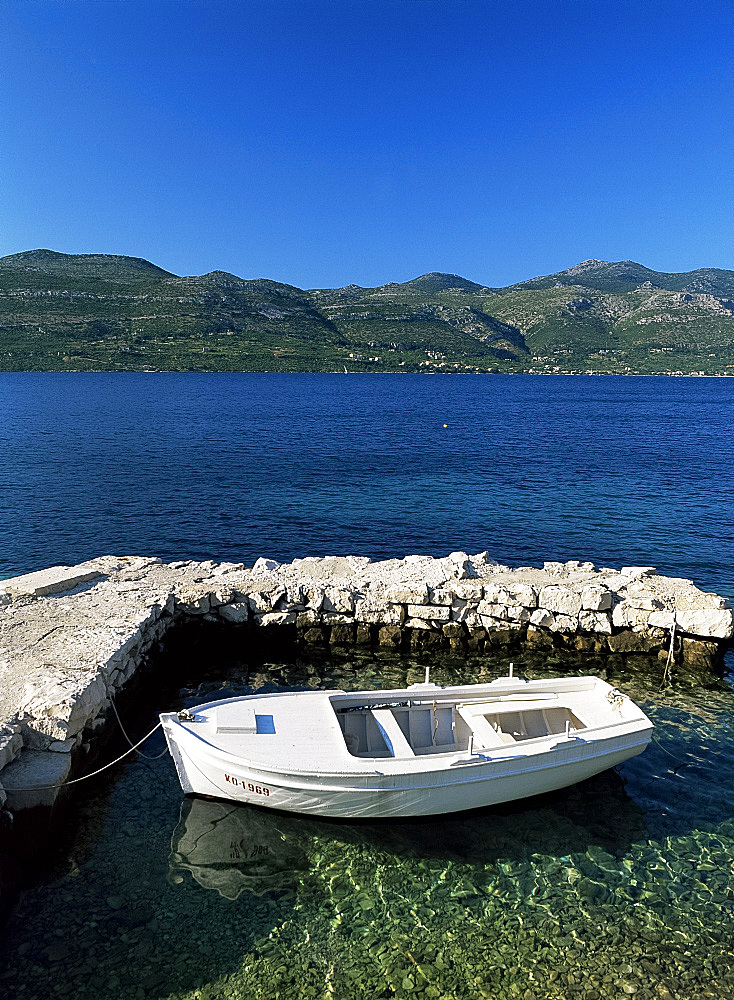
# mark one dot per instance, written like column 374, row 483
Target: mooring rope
column 684, row 763
column 669, row 661
column 122, row 728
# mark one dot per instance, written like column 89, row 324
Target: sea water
column 618, row 470
column 619, row 886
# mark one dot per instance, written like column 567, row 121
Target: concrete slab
column 54, row 580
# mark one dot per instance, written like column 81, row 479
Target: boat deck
column 416, row 729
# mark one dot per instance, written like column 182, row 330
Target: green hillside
column 64, row 312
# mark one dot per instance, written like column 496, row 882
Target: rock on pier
column 71, row 636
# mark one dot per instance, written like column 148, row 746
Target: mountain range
column 63, row 312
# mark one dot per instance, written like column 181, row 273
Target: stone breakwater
column 70, row 637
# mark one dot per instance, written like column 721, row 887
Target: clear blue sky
column 322, row 143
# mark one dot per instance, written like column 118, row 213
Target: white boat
column 415, row 751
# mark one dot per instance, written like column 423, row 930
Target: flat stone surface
column 31, row 778
column 54, row 580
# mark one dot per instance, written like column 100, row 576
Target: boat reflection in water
column 237, row 848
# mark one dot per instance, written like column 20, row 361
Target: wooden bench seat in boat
column 392, row 733
column 485, row 735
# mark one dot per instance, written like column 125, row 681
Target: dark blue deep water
column 234, row 466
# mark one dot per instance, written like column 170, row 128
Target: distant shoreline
column 371, row 374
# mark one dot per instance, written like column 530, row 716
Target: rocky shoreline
column 71, row 637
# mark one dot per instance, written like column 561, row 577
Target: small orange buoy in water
column 445, row 425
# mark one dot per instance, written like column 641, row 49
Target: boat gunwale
column 583, row 682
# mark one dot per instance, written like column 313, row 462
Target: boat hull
column 470, row 783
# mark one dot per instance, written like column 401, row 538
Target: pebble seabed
column 619, row 886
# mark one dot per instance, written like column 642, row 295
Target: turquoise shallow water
column 619, row 886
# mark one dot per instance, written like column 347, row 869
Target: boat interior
column 409, row 730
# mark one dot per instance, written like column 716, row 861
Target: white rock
column 61, row 708
column 466, row 614
column 373, row 609
column 542, row 617
column 489, row 622
column 645, row 603
column 358, row 562
column 524, row 594
column 260, row 603
column 195, row 606
column 561, row 600
column 595, row 621
column 416, row 623
column 661, row 619
column 493, row 610
column 279, row 596
column 338, row 600
column 218, row 597
column 263, row 565
column 638, row 572
column 716, row 602
column 408, row 595
column 392, row 614
column 483, row 560
column 227, row 567
column 707, row 622
column 596, row 598
column 519, row 614
column 439, row 595
column 497, row 594
column 10, row 743
column 30, row 773
column 439, row 613
column 468, row 591
column 62, row 746
column 235, row 613
column 564, row 623
column 572, row 566
column 626, row 615
column 554, row 568
column 279, row 618
column 55, row 580
column 458, row 566
column 315, row 598
column 307, row 617
column 296, row 593
column 471, row 619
